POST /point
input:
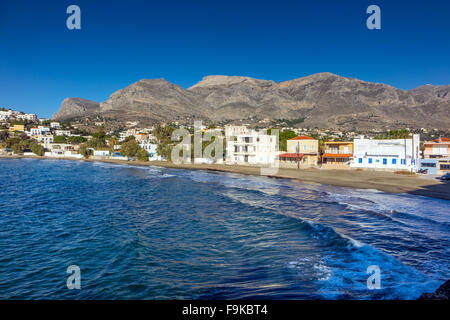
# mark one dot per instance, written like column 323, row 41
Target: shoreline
column 384, row 181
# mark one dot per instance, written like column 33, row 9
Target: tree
column 422, row 149
column 142, row 155
column 129, row 148
column 99, row 134
column 17, row 148
column 37, row 149
column 84, row 150
column 4, row 135
column 284, row 136
column 12, row 141
column 164, row 149
column 59, row 139
column 76, row 139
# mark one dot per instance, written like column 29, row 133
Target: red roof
column 302, row 138
column 442, row 139
column 337, row 155
column 291, row 155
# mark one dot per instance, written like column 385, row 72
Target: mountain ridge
column 323, row 100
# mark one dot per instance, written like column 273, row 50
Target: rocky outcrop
column 323, row 100
column 442, row 293
column 75, row 107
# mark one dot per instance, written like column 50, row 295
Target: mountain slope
column 324, row 100
column 76, row 107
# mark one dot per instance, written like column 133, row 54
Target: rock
column 442, row 293
column 75, row 107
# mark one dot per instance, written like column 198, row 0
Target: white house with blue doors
column 393, row 154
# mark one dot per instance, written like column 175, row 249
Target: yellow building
column 337, row 154
column 302, row 151
column 17, row 127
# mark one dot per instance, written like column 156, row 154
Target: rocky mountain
column 323, row 100
column 76, row 107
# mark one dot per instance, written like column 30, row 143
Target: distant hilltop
column 322, row 100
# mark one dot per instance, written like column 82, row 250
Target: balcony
column 337, row 151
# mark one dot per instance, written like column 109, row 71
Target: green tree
column 142, row 155
column 12, row 141
column 164, row 149
column 59, row 139
column 284, row 136
column 4, row 135
column 37, row 149
column 130, row 148
column 76, row 139
column 84, row 150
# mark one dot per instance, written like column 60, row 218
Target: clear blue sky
column 121, row 42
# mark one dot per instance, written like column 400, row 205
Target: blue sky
column 121, row 42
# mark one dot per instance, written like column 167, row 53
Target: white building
column 395, row 154
column 5, row 115
column 62, row 133
column 26, row 116
column 55, row 125
column 45, row 140
column 35, row 131
column 44, row 129
column 151, row 149
column 249, row 146
column 62, row 150
column 101, row 153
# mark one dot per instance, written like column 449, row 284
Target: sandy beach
column 385, row 181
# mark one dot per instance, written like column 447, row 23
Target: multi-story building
column 61, row 150
column 337, row 154
column 55, row 125
column 302, row 152
column 246, row 146
column 26, row 116
column 44, row 139
column 44, row 130
column 438, row 148
column 394, row 154
column 437, row 156
column 35, row 131
column 62, row 133
column 17, row 127
column 435, row 165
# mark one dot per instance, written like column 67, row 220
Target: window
column 384, row 161
column 360, row 160
column 445, row 166
column 428, row 164
column 370, row 160
column 394, row 161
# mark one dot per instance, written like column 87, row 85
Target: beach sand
column 386, row 181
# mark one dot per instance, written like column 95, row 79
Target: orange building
column 302, row 151
column 337, row 154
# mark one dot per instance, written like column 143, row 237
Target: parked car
column 445, row 176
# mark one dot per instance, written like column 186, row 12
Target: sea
column 137, row 232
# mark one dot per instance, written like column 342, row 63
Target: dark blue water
column 154, row 233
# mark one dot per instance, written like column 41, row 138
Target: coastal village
column 400, row 151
